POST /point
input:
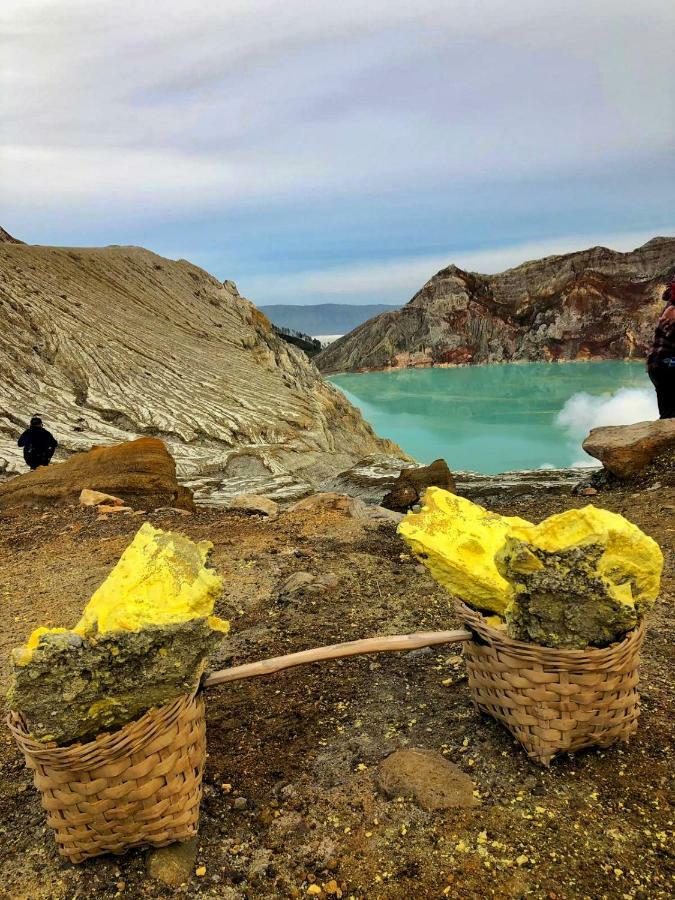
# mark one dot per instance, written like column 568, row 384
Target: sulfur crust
column 631, row 562
column 457, row 541
column 461, row 544
column 160, row 579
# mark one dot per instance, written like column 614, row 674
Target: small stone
column 105, row 510
column 200, row 871
column 96, row 498
column 428, row 778
column 172, row 865
column 296, row 582
column 240, row 803
column 324, row 502
column 255, row 504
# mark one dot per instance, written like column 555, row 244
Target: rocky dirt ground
column 291, row 805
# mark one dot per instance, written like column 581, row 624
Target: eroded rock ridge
column 594, row 304
column 114, row 343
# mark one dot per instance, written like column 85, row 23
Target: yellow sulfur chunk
column 579, row 578
column 160, row 579
column 457, row 541
column 630, row 564
column 142, row 641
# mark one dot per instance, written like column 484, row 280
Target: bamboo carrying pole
column 389, row 644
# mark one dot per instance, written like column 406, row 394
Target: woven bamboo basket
column 553, row 701
column 139, row 785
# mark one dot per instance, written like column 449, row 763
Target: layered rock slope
column 595, row 304
column 115, row 343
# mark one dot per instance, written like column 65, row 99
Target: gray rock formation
column 62, row 701
column 115, row 343
column 595, row 304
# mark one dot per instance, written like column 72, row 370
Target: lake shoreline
column 506, row 362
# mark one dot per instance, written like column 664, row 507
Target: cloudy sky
column 338, row 151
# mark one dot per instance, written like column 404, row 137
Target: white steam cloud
column 585, row 411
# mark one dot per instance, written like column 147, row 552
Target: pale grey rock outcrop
column 113, row 343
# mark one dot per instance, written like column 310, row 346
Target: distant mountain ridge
column 324, row 318
column 593, row 304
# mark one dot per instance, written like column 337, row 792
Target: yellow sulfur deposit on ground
column 142, row 640
column 579, row 578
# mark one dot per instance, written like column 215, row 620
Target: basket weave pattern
column 139, row 785
column 553, row 700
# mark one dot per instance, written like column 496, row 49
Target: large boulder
column 409, row 487
column 140, row 472
column 626, row 450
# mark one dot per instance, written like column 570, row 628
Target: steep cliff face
column 114, row 343
column 595, row 304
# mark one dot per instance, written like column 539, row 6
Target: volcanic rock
column 411, row 484
column 254, row 504
column 96, row 498
column 118, row 343
column 173, row 865
column 141, row 642
column 324, row 502
column 595, row 304
column 432, row 781
column 141, row 473
column 625, row 450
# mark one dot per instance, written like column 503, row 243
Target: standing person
column 661, row 359
column 38, row 444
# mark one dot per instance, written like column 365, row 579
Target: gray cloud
column 236, row 99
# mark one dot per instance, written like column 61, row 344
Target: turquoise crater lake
column 501, row 418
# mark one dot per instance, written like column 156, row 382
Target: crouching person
column 38, row 444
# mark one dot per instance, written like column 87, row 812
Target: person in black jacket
column 661, row 359
column 38, row 444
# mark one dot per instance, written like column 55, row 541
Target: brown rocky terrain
column 114, row 343
column 140, row 472
column 296, row 796
column 595, row 304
